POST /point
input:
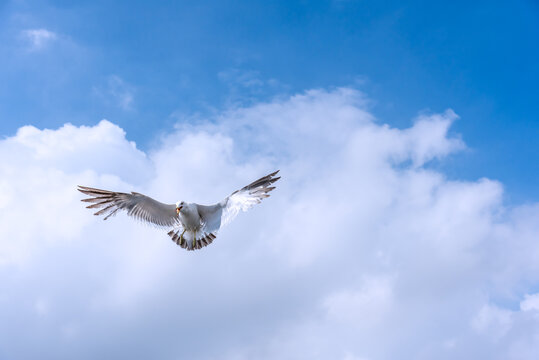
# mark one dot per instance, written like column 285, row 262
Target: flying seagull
column 194, row 226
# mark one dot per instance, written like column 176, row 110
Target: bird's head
column 179, row 206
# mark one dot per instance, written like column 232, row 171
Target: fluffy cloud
column 363, row 251
column 39, row 170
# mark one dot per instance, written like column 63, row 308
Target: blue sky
column 179, row 59
column 404, row 225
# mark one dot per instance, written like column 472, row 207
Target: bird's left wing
column 222, row 213
column 137, row 205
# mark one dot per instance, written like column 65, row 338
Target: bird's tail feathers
column 187, row 240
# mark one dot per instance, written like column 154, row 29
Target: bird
column 194, row 226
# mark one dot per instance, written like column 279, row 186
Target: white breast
column 189, row 217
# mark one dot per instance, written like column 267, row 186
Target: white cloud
column 40, row 171
column 530, row 303
column 494, row 320
column 38, row 38
column 363, row 251
column 367, row 306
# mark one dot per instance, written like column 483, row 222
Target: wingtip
column 83, row 189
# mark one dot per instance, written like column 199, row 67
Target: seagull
column 194, row 226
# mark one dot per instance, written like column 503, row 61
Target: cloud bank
column 363, row 251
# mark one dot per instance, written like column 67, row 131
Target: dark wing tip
column 274, row 179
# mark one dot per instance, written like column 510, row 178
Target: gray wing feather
column 137, row 205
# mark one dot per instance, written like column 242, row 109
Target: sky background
column 405, row 224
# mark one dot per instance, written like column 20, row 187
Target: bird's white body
column 189, row 217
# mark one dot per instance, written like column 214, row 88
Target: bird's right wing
column 137, row 205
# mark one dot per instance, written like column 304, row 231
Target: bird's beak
column 178, row 209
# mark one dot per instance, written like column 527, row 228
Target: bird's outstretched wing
column 215, row 216
column 137, row 205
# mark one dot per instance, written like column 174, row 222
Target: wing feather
column 137, row 205
column 215, row 216
column 247, row 197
